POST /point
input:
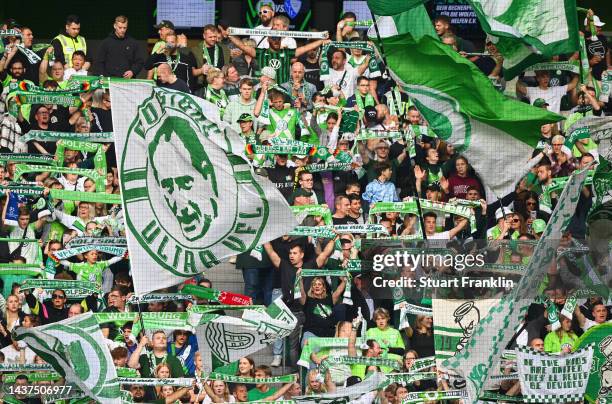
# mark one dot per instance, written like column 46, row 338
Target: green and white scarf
column 311, row 273
column 154, row 381
column 315, row 344
column 21, row 269
column 84, row 147
column 409, row 378
column 72, row 289
column 93, row 197
column 71, row 252
column 27, row 158
column 24, row 97
column 100, row 180
column 252, row 380
column 328, row 166
column 361, row 228
column 313, row 231
column 34, row 377
column 364, row 46
column 110, row 241
column 367, row 134
column 423, row 396
column 158, row 297
column 556, row 66
column 313, row 210
column 50, row 136
column 357, row 360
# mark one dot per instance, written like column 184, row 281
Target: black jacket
column 118, row 55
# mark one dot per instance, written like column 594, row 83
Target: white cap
column 499, row 213
column 269, row 72
column 596, row 21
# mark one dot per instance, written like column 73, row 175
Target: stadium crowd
column 267, row 88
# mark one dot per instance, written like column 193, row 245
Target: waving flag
column 75, row 349
column 528, row 31
column 463, row 108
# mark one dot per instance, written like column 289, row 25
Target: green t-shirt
column 388, row 338
column 87, row 272
column 257, row 395
column 176, row 369
column 285, row 122
column 278, row 60
column 552, row 343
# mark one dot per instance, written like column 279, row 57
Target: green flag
column 463, row 108
column 601, row 337
column 526, row 31
column 392, row 7
column 414, row 21
column 75, row 349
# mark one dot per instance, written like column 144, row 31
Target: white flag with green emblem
column 527, row 31
column 190, row 197
column 75, row 349
column 495, row 133
column 482, row 352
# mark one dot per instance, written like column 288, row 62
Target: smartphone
column 533, row 214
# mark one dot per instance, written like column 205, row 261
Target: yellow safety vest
column 70, row 45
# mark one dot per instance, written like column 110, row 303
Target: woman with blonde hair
column 318, row 307
column 421, row 336
column 11, row 317
column 214, row 92
column 162, row 371
column 217, row 392
column 562, row 340
column 316, row 386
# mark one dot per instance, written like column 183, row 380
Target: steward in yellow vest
column 65, row 44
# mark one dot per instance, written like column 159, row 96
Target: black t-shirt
column 282, row 177
column 344, row 220
column 181, row 65
column 599, row 48
column 318, row 316
column 287, row 276
column 312, row 72
column 178, row 85
column 485, row 64
column 102, row 120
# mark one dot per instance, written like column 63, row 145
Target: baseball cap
column 302, row 192
column 246, row 117
column 269, row 72
column 164, row 24
column 596, row 21
column 499, row 213
column 370, row 113
column 540, row 103
column 538, row 225
column 434, row 187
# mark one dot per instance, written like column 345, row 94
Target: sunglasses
column 515, row 220
column 264, row 11
column 56, row 296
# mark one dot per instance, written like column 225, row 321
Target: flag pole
column 413, row 185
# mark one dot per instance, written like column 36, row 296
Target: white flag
column 190, row 197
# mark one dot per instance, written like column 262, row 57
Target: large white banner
column 190, row 197
column 547, row 378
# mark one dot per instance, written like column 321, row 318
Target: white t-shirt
column 588, row 323
column 71, row 72
column 260, row 40
column 552, row 95
column 208, row 400
column 347, row 82
column 11, row 355
column 79, row 186
column 445, row 235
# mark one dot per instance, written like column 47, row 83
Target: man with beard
column 266, row 14
column 30, row 64
column 181, row 61
column 342, row 76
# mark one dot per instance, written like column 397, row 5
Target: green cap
column 538, row 226
column 540, row 103
column 246, row 117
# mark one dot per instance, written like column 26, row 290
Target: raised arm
column 339, row 290
column 274, row 258
column 327, row 252
column 260, row 100
column 455, row 230
column 44, row 64
column 579, row 316
column 134, row 358
column 362, row 67
column 310, row 46
column 301, row 283
column 248, row 50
